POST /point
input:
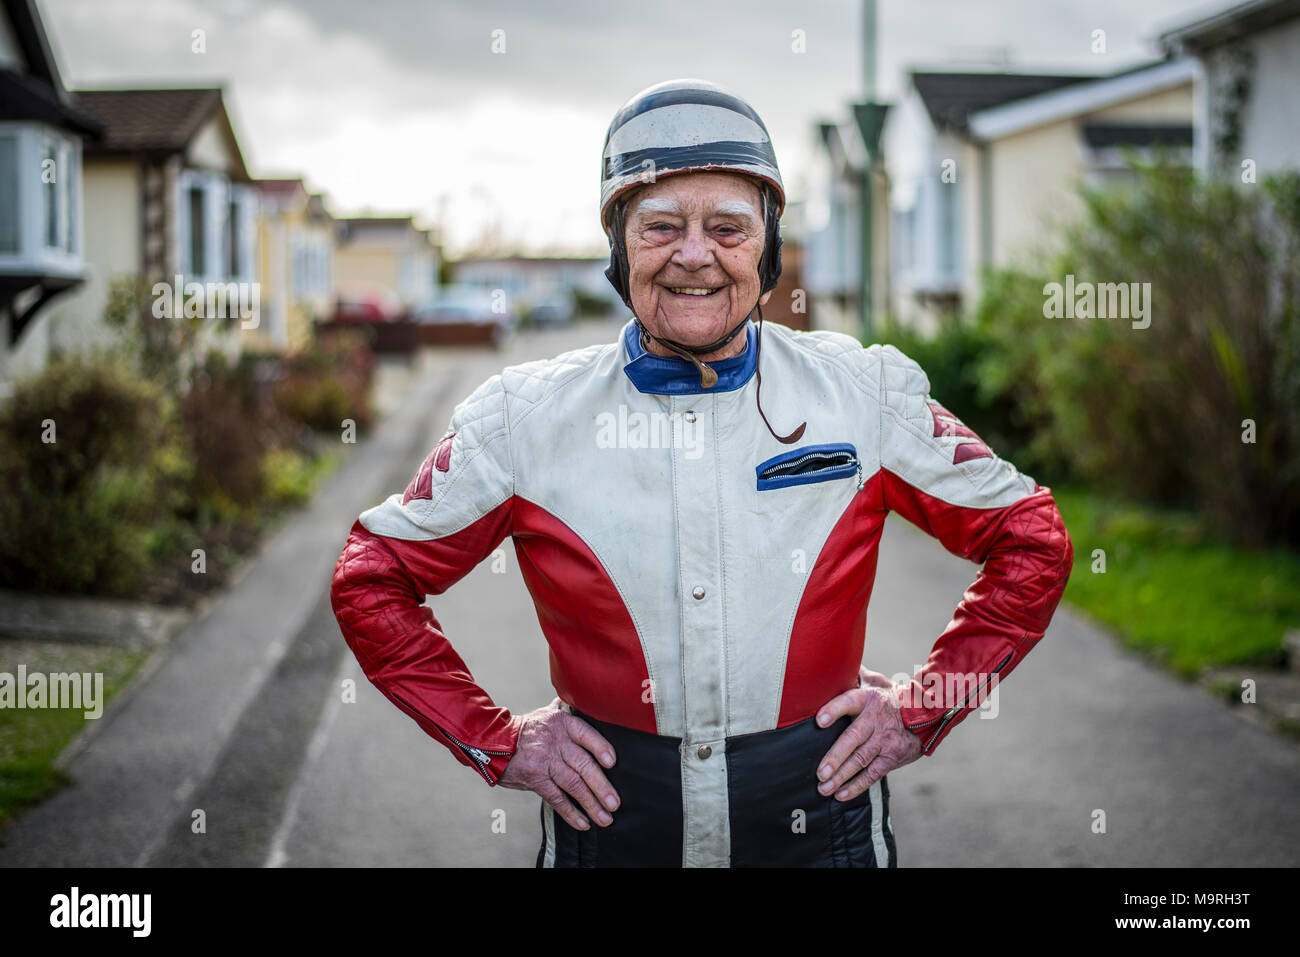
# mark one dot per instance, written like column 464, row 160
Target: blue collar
column 660, row 375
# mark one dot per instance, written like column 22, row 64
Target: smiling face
column 694, row 242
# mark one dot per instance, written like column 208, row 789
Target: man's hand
column 872, row 746
column 553, row 757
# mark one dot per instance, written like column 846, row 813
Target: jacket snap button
column 704, row 751
column 697, row 593
column 690, row 416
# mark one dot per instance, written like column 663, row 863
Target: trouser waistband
column 775, row 815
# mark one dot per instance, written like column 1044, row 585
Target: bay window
column 40, row 201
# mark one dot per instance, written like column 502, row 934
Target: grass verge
column 32, row 738
column 1171, row 590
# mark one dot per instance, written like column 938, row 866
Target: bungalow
column 846, row 158
column 167, row 195
column 41, row 137
column 1031, row 157
column 981, row 170
column 296, row 236
column 386, row 259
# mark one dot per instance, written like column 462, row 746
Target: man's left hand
column 872, row 746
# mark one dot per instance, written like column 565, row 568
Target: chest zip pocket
column 812, row 463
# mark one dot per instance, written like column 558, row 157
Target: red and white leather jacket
column 693, row 576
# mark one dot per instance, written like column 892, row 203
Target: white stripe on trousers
column 548, row 825
column 878, row 825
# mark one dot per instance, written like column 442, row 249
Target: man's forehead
column 710, row 198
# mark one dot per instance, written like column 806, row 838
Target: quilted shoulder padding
column 530, row 383
column 837, row 350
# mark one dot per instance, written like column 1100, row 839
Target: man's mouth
column 697, row 291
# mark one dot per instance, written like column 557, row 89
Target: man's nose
column 696, row 250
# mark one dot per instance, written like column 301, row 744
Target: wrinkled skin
column 695, row 230
column 872, row 746
column 556, row 757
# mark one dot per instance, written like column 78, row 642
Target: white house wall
column 212, row 148
column 111, row 236
column 1035, row 175
column 1033, row 178
column 970, row 173
column 1168, row 106
column 1271, row 119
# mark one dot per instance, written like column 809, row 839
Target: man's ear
column 762, row 300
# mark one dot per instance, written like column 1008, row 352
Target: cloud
column 391, row 103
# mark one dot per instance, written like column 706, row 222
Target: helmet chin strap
column 709, row 378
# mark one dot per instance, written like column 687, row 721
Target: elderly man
column 703, row 584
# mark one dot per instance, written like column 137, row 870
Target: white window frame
column 218, row 195
column 34, row 255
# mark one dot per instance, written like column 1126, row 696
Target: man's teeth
column 687, row 291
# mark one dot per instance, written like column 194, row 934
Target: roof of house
column 1080, row 98
column 1227, row 25
column 375, row 222
column 37, row 92
column 351, row 226
column 950, row 98
column 280, row 185
column 150, row 121
column 317, row 209
column 24, row 96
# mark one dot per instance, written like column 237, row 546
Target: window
column 40, row 196
column 50, row 178
column 59, row 174
column 198, row 221
column 947, row 258
column 72, row 193
column 233, row 243
column 9, row 225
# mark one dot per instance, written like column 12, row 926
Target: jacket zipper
column 952, row 712
column 783, row 469
column 477, row 755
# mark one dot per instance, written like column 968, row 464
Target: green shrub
column 291, row 477
column 228, row 428
column 1157, row 413
column 76, row 513
column 327, row 383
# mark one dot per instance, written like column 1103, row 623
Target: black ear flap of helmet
column 770, row 268
column 616, row 272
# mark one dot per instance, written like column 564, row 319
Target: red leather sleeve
column 378, row 594
column 1026, row 556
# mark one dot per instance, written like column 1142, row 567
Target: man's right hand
column 554, row 758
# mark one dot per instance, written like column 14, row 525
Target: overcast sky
column 402, row 106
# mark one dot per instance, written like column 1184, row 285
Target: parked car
column 463, row 314
column 380, row 317
column 558, row 307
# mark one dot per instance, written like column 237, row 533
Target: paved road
column 290, row 775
